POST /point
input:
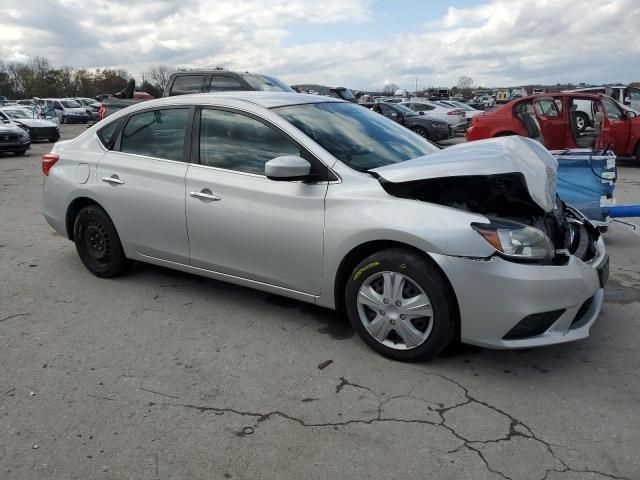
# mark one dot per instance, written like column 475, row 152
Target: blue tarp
column 586, row 180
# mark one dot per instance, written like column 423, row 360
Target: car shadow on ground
column 457, row 356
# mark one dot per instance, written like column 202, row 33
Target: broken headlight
column 516, row 241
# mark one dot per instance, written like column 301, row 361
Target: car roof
column 263, row 99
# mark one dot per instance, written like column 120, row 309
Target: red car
column 564, row 120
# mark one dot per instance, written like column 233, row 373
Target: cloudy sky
column 358, row 43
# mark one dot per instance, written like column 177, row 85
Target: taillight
column 455, row 112
column 48, row 161
column 101, row 113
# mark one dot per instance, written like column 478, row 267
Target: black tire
column 423, row 132
column 421, row 271
column 19, row 153
column 582, row 121
column 98, row 244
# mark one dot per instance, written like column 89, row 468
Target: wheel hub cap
column 395, row 310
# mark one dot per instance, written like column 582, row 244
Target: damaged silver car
column 329, row 203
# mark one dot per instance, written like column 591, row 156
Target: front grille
column 8, row 137
column 533, row 325
column 582, row 311
column 44, row 132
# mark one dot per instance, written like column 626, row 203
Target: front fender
column 353, row 220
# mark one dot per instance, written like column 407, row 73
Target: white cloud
column 500, row 42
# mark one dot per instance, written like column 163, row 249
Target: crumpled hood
column 513, row 154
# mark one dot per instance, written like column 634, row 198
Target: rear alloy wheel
column 98, row 244
column 397, row 302
column 421, row 131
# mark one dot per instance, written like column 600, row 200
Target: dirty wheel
column 398, row 303
column 98, row 244
column 421, row 131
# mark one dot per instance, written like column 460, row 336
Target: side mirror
column 630, row 114
column 421, row 112
column 287, row 168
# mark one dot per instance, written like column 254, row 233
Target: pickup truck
column 197, row 81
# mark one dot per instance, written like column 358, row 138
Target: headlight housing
column 516, row 241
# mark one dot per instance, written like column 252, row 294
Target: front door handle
column 205, row 194
column 113, row 180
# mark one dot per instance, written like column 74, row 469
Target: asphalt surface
column 164, row 375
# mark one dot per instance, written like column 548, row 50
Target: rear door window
column 546, row 107
column 156, row 133
column 186, row 84
column 224, row 83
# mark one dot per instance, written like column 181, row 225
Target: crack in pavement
column 471, row 445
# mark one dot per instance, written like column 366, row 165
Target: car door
column 141, row 182
column 240, row 223
column 57, row 107
column 616, row 130
column 552, row 125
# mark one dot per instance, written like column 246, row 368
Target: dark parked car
column 426, row 127
column 198, row 81
column 13, row 138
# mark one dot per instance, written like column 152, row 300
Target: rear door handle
column 205, row 194
column 113, row 180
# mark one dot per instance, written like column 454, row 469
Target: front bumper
column 77, row 118
column 494, row 295
column 441, row 132
column 44, row 133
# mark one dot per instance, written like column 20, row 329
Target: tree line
column 38, row 78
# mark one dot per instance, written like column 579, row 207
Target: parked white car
column 627, row 96
column 451, row 115
column 67, row 110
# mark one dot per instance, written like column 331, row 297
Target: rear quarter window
column 107, row 134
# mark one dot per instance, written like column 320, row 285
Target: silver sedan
column 326, row 202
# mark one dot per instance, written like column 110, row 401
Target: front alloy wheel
column 401, row 305
column 422, row 132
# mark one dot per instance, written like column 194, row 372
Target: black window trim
column 243, row 83
column 194, row 159
column 117, row 143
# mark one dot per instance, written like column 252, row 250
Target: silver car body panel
column 290, row 238
column 492, row 157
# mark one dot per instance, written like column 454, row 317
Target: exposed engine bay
column 505, row 196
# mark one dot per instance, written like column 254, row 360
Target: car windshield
column 357, row 136
column 70, row 104
column 18, row 113
column 266, row 84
